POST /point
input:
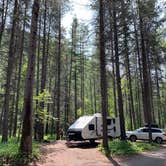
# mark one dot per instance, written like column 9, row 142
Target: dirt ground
column 85, row 154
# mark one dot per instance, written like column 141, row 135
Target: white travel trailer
column 90, row 128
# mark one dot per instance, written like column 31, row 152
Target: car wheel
column 158, row 140
column 133, row 138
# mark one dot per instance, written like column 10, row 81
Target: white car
column 158, row 135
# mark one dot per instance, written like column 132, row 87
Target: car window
column 145, row 130
column 156, row 131
column 152, row 130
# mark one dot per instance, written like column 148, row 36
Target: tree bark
column 118, row 78
column 26, row 139
column 146, row 88
column 113, row 60
column 3, row 18
column 9, row 73
column 59, row 76
column 103, row 76
column 21, row 49
column 40, row 124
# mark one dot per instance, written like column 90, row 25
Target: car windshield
column 138, row 130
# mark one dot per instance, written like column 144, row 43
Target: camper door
column 99, row 126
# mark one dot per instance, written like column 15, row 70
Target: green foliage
column 9, row 153
column 9, row 149
column 106, row 152
column 20, row 103
column 118, row 147
column 50, row 137
column 163, row 43
column 79, row 112
column 43, row 98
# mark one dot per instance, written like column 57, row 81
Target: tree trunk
column 50, row 80
column 146, row 88
column 26, row 139
column 37, row 78
column 82, row 61
column 9, row 73
column 40, row 124
column 66, row 104
column 59, row 77
column 139, row 68
column 113, row 60
column 75, row 89
column 91, row 97
column 103, row 76
column 3, row 18
column 21, row 49
column 127, row 62
column 70, row 76
column 118, row 78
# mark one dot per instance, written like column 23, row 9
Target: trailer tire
column 110, row 138
column 92, row 141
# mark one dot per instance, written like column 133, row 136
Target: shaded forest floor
column 85, row 154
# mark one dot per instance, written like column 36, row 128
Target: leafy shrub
column 50, row 137
column 9, row 153
column 118, row 147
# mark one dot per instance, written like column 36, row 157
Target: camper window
column 108, row 121
column 91, row 127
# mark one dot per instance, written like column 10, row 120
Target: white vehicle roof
column 151, row 128
column 81, row 122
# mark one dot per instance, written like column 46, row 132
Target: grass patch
column 118, row 147
column 9, row 153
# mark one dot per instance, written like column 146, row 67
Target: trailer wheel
column 92, row 141
column 110, row 137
